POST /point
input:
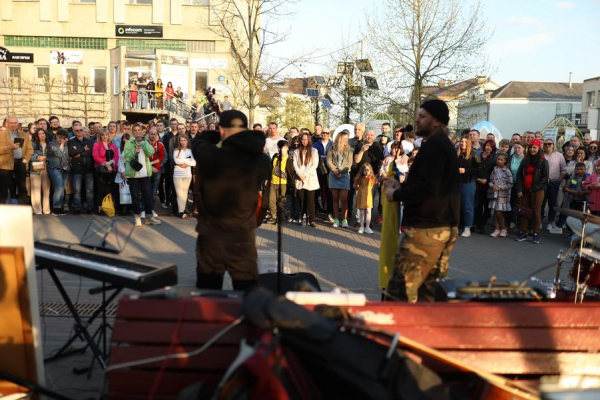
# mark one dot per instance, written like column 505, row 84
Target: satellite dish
column 348, row 127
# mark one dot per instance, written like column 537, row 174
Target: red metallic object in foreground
column 518, row 340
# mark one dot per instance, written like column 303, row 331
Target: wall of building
column 591, row 88
column 87, row 34
column 518, row 116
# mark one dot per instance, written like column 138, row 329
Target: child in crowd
column 592, row 185
column 133, row 94
column 363, row 184
column 504, row 146
column 576, row 192
column 278, row 179
column 501, row 182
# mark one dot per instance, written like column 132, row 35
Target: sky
column 533, row 40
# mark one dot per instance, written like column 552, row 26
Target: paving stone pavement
column 338, row 257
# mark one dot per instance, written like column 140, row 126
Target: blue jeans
column 154, row 183
column 467, row 199
column 88, row 180
column 59, row 181
column 140, row 195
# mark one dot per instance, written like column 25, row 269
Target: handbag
column 38, row 165
column 135, row 164
column 124, row 194
column 523, row 211
column 491, row 195
column 108, row 205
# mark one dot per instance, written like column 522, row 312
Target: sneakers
column 58, row 212
column 330, row 217
column 379, row 220
column 336, row 223
column 164, row 206
column 496, row 233
column 361, row 230
column 182, row 215
column 143, row 215
column 156, row 221
column 154, row 214
column 521, row 236
column 503, row 233
column 556, row 231
column 138, row 220
column 345, row 223
column 466, row 232
column 368, row 231
column 536, row 239
column 550, row 227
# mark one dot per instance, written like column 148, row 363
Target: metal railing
column 579, row 119
column 147, row 100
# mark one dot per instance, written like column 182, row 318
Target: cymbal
column 579, row 215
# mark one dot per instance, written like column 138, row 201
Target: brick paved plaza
column 338, row 257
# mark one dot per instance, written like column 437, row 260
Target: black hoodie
column 229, row 176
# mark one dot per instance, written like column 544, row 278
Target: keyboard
column 114, row 269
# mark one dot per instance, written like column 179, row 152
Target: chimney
column 442, row 83
column 570, row 84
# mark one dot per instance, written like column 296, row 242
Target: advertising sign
column 138, row 31
column 66, row 57
column 174, row 60
column 7, row 56
column 569, row 133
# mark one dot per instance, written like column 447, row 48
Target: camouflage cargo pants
column 422, row 258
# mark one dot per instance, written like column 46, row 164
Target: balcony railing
column 147, row 101
column 579, row 119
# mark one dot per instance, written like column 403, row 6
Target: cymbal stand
column 578, row 286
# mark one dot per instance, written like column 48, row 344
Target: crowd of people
column 59, row 170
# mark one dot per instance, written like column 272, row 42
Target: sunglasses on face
column 548, row 144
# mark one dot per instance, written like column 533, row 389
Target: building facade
column 521, row 106
column 77, row 57
column 590, row 105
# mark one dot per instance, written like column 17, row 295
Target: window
column 42, row 79
column 591, row 99
column 145, row 2
column 99, row 80
column 83, row 1
column 201, row 81
column 14, row 77
column 71, row 80
column 200, row 46
column 141, row 44
column 116, row 84
column 196, row 2
column 56, row 42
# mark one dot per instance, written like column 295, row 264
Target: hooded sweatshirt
column 229, row 174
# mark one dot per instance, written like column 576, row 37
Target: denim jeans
column 59, row 182
column 467, row 199
column 141, row 186
column 154, row 184
column 88, row 180
column 551, row 196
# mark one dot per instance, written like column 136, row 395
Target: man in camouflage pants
column 431, row 197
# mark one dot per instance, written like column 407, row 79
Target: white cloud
column 564, row 5
column 526, row 21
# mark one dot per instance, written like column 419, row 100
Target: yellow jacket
column 7, row 160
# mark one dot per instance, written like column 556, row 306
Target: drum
column 590, row 270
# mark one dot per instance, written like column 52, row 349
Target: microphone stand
column 279, row 228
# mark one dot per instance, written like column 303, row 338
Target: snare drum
column 589, row 268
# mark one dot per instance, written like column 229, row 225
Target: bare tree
column 245, row 25
column 428, row 40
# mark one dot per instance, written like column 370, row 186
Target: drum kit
column 584, row 253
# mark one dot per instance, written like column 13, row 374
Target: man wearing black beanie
column 431, row 197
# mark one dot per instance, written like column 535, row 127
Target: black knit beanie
column 439, row 110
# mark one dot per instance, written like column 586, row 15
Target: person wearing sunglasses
column 593, row 152
column 557, row 169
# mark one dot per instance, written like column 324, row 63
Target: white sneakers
column 466, row 232
column 361, row 230
column 164, row 206
column 143, row 215
column 153, row 221
column 138, row 220
column 368, row 231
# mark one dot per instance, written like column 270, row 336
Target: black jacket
column 431, row 192
column 471, row 166
column 485, row 171
column 540, row 176
column 229, row 175
column 81, row 159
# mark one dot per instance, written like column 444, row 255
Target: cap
column 439, row 110
column 229, row 119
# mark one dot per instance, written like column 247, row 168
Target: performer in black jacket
column 230, row 169
column 431, row 196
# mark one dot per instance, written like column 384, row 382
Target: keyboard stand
column 81, row 330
